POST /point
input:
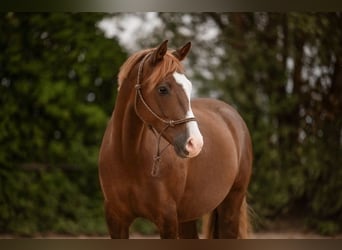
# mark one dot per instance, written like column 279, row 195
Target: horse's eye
column 163, row 90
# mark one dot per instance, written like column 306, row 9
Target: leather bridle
column 168, row 122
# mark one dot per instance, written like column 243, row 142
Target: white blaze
column 195, row 136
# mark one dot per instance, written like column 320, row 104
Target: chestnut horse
column 169, row 159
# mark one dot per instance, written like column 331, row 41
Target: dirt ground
column 263, row 235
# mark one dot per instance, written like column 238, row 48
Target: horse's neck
column 128, row 129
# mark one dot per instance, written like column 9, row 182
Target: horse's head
column 162, row 99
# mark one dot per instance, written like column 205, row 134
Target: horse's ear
column 182, row 52
column 159, row 52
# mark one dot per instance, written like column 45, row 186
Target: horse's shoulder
column 210, row 107
column 213, row 105
column 206, row 103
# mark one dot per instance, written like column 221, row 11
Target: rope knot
column 171, row 123
column 155, row 168
column 156, row 158
column 137, row 86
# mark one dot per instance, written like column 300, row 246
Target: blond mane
column 169, row 64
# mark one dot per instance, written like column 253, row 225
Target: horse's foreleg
column 117, row 230
column 118, row 226
column 168, row 229
column 188, row 230
column 167, row 222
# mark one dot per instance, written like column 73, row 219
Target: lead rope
column 157, row 156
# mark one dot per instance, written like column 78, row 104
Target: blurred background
column 281, row 71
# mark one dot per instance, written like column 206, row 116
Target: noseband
column 168, row 123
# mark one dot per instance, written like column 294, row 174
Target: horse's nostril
column 189, row 144
column 193, row 147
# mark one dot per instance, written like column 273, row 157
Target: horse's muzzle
column 188, row 146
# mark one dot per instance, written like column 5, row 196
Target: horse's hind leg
column 188, row 230
column 118, row 226
column 232, row 216
column 232, row 213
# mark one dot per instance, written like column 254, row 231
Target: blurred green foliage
column 57, row 90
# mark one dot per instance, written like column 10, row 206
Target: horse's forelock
column 167, row 65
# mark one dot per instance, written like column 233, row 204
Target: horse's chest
column 143, row 196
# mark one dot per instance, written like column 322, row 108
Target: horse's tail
column 245, row 228
column 210, row 223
